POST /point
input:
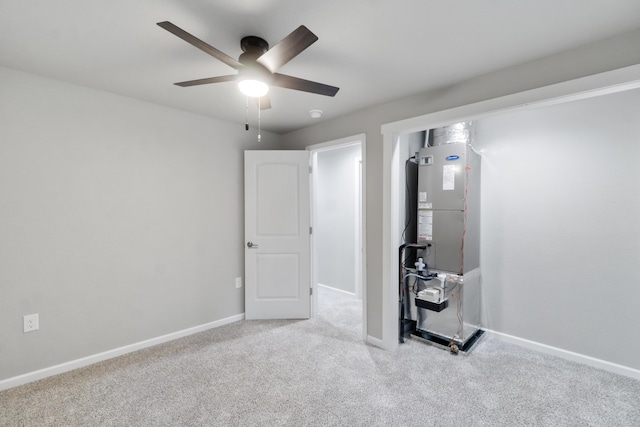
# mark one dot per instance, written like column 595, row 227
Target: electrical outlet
column 31, row 322
column 238, row 282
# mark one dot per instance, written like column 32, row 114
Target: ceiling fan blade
column 200, row 44
column 264, row 102
column 290, row 82
column 206, row 81
column 287, row 49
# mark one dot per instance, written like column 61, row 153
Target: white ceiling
column 374, row 50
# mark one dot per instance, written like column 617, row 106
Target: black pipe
column 401, row 285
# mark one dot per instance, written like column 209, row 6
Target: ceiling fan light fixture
column 253, row 88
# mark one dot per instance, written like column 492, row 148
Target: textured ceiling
column 374, row 50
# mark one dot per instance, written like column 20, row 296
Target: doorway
column 337, row 218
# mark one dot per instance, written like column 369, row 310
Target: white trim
column 109, row 354
column 622, row 79
column 375, row 342
column 390, row 241
column 567, row 355
column 619, row 80
column 363, row 233
column 357, row 223
column 337, row 143
column 359, row 139
column 351, row 294
column 313, row 196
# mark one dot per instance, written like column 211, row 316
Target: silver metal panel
column 441, row 177
column 448, row 227
column 443, row 232
column 447, row 175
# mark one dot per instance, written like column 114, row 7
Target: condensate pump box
column 430, row 294
column 432, row 305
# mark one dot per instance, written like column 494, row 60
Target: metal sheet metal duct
column 454, row 134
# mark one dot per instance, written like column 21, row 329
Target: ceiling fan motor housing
column 253, row 47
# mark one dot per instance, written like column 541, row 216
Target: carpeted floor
column 318, row 372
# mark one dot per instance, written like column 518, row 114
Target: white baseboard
column 568, row 355
column 336, row 289
column 109, row 354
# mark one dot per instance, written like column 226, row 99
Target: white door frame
column 358, row 209
column 361, row 271
column 619, row 80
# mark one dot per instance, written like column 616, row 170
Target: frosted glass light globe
column 253, row 88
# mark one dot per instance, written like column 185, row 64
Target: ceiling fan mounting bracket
column 253, row 44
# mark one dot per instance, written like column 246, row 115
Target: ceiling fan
column 257, row 65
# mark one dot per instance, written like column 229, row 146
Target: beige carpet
column 318, row 372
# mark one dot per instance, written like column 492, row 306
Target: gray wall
column 120, row 221
column 335, row 221
column 598, row 57
column 560, row 225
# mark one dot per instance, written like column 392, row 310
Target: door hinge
column 310, row 230
column 310, row 291
column 310, row 169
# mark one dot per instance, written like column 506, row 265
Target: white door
column 276, row 228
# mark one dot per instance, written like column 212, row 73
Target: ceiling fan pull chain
column 259, row 119
column 246, row 125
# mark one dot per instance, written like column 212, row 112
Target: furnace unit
column 442, row 292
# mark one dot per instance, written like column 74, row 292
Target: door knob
column 251, row 245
